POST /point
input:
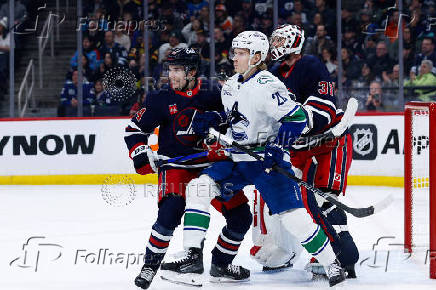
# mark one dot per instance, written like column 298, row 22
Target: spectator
column 299, row 8
column 69, row 92
column 19, row 9
column 350, row 66
column 348, row 19
column 222, row 43
column 106, row 65
column 223, row 20
column 365, row 78
column 190, row 31
column 392, row 79
column 195, row 6
column 351, row 42
column 119, row 53
column 138, row 105
column 95, row 29
column 425, row 79
column 173, row 42
column 328, row 15
column 93, row 55
column 408, row 41
column 320, row 41
column 4, row 55
column 328, row 58
column 313, row 25
column 380, row 62
column 427, row 52
column 121, row 38
column 202, row 46
column 267, row 24
column 88, row 73
column 374, row 100
column 203, row 16
column 369, row 47
column 247, row 11
column 102, row 98
column 238, row 25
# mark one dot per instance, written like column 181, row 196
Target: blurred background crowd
column 370, row 60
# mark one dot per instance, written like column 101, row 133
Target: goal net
column 419, row 172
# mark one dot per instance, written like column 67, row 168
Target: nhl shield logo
column 364, row 141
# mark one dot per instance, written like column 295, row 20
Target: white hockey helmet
column 286, row 39
column 254, row 41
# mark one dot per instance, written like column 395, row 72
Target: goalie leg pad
column 311, row 236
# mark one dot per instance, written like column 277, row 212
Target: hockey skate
column 288, row 264
column 229, row 273
column 143, row 280
column 191, row 262
column 186, row 269
column 335, row 273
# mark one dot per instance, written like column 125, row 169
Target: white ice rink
column 66, row 227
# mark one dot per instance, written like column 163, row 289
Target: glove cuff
column 137, row 149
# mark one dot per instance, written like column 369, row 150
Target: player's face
column 177, row 76
column 240, row 60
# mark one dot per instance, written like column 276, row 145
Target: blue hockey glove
column 289, row 132
column 275, row 155
column 203, row 121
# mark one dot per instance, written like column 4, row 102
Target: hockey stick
column 357, row 212
column 334, row 132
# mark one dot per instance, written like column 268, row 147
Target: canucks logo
column 238, row 120
column 264, row 79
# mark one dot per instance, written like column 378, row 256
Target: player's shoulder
column 265, row 80
column 310, row 63
column 156, row 97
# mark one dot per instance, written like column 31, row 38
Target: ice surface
column 71, row 224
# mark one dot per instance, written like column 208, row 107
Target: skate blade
column 188, row 279
column 226, row 280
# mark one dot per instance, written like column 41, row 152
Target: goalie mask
column 286, row 39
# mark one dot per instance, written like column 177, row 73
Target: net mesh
column 420, row 178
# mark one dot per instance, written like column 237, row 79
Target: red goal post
column 419, row 175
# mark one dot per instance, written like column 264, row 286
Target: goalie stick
column 357, row 212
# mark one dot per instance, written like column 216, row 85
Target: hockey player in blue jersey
column 258, row 106
column 323, row 163
column 171, row 108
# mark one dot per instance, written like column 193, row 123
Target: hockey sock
column 238, row 223
column 195, row 225
column 170, row 213
column 157, row 245
column 226, row 247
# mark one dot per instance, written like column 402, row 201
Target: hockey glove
column 289, row 132
column 210, row 119
column 144, row 159
column 275, row 155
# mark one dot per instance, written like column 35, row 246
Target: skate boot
column 191, row 262
column 143, row 280
column 228, row 273
column 335, row 273
column 351, row 272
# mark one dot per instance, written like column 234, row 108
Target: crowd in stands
column 113, row 36
column 24, row 11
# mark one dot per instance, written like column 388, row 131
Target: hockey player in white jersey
column 258, row 108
